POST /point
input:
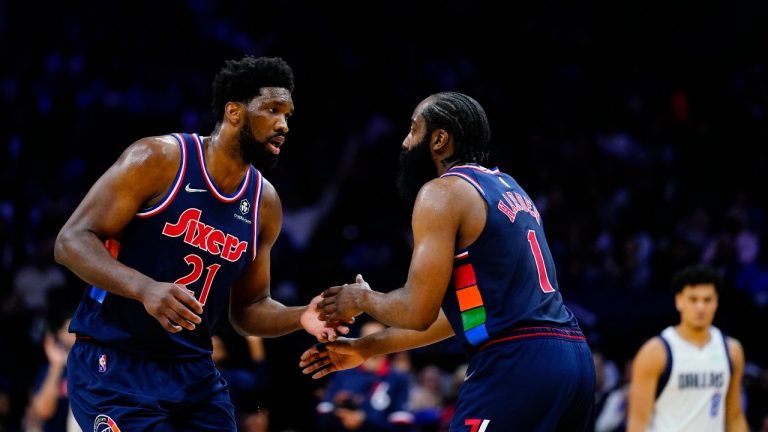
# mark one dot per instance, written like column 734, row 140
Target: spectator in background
column 36, row 279
column 370, row 398
column 428, row 396
column 48, row 408
column 612, row 417
column 607, row 377
column 255, row 421
column 451, row 397
column 242, row 363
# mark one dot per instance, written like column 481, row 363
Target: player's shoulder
column 153, row 151
column 445, row 189
column 653, row 353
column 734, row 345
column 160, row 145
column 735, row 349
column 270, row 205
column 268, row 190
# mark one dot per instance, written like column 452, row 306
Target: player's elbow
column 237, row 321
column 62, row 247
column 420, row 325
column 422, row 321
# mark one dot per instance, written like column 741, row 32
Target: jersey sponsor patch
column 245, row 206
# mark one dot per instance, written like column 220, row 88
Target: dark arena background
column 640, row 129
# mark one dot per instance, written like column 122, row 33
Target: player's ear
column 678, row 302
column 439, row 139
column 233, row 113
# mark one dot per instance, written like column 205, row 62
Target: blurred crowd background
column 639, row 129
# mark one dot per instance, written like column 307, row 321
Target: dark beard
column 416, row 169
column 254, row 151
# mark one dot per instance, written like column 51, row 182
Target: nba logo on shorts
column 103, row 363
column 104, row 423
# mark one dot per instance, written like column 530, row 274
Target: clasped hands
column 336, row 305
column 343, row 303
column 330, row 313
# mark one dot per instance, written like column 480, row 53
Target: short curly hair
column 242, row 80
column 696, row 275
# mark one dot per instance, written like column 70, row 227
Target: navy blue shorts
column 530, row 379
column 111, row 390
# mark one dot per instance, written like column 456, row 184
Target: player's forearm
column 86, row 256
column 267, row 318
column 393, row 339
column 397, row 309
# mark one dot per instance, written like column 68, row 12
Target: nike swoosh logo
column 470, row 375
column 189, row 189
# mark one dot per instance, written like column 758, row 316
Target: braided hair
column 465, row 119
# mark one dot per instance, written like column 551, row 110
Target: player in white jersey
column 689, row 377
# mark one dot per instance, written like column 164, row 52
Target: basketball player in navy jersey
column 689, row 377
column 173, row 237
column 480, row 251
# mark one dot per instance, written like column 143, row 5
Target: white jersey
column 693, row 397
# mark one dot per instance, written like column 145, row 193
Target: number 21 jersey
column 195, row 236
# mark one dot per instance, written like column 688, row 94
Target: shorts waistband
column 569, row 333
column 181, row 357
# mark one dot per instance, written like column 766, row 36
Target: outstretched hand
column 342, row 303
column 325, row 358
column 323, row 330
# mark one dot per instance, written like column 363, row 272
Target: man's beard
column 416, row 169
column 254, row 151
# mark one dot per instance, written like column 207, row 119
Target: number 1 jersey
column 506, row 279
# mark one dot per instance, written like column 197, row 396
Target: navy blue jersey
column 195, row 236
column 505, row 279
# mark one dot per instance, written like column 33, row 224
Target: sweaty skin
column 461, row 213
column 346, row 353
column 141, row 177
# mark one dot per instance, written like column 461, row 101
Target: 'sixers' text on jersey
column 195, row 236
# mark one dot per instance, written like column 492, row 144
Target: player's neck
column 446, row 164
column 223, row 162
column 694, row 335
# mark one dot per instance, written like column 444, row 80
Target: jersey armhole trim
column 727, row 351
column 259, row 179
column 175, row 186
column 664, row 378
